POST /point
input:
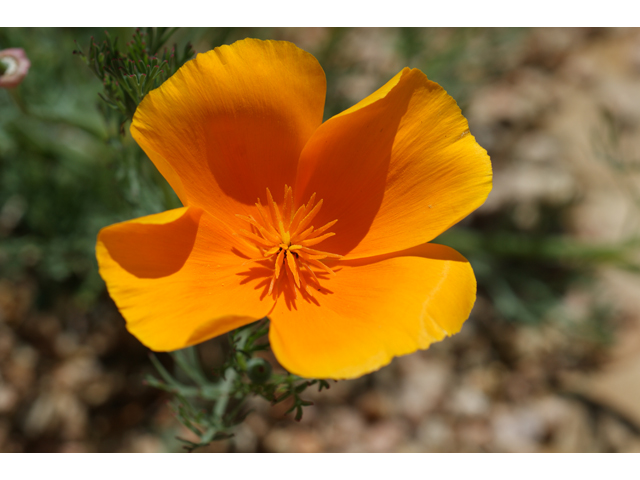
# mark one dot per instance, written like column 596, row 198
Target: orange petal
column 177, row 279
column 396, row 170
column 233, row 122
column 370, row 312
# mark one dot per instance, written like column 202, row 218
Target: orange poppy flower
column 323, row 227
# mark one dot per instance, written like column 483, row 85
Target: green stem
column 225, row 389
column 188, row 362
column 14, row 93
column 225, row 397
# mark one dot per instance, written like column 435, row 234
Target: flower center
column 284, row 239
column 8, row 65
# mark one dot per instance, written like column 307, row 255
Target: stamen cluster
column 286, row 237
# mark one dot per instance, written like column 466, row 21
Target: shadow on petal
column 431, row 251
column 149, row 250
column 212, row 328
column 245, row 153
column 346, row 162
column 260, row 275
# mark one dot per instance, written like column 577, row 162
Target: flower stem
column 211, row 406
column 14, row 93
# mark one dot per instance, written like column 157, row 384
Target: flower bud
column 259, row 370
column 14, row 66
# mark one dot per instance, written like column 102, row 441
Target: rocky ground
column 560, row 117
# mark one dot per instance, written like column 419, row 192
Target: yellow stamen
column 310, row 216
column 284, row 237
column 314, row 241
column 288, row 206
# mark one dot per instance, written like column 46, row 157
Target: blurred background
column 548, row 361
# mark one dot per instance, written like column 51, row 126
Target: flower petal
column 396, row 170
column 233, row 122
column 370, row 312
column 177, row 278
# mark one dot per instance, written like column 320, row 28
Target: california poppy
column 323, row 227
